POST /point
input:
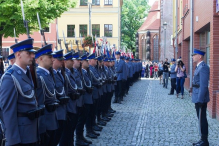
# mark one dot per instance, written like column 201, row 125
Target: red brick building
column 206, row 36
column 148, row 34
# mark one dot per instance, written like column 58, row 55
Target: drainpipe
column 191, row 40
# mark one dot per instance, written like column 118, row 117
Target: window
column 83, row 2
column 96, row 2
column 46, row 29
column 70, row 30
column 108, row 2
column 96, row 30
column 83, row 30
column 108, row 29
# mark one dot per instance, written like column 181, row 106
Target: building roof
column 153, row 19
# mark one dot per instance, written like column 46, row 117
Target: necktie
column 28, row 74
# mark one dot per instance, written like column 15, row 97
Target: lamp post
column 165, row 27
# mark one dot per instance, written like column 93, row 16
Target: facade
column 166, row 31
column 205, row 37
column 105, row 21
column 148, row 35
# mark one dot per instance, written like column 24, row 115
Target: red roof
column 153, row 19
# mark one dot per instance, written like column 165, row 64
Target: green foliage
column 11, row 15
column 133, row 14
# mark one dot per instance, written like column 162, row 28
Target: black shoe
column 95, row 133
column 85, row 140
column 194, row 144
column 111, row 111
column 119, row 101
column 170, row 94
column 115, row 101
column 91, row 135
column 106, row 119
column 109, row 115
column 80, row 142
column 101, row 123
column 95, row 128
column 203, row 143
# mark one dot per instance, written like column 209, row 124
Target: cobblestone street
column 149, row 116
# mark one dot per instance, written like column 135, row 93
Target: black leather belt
column 195, row 85
column 32, row 114
column 52, row 107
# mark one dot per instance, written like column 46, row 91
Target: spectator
column 160, row 71
column 143, row 69
column 173, row 76
column 180, row 69
column 151, row 70
column 155, row 71
column 147, row 70
column 166, row 66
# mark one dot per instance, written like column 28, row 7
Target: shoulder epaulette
column 10, row 71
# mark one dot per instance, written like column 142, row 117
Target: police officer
column 88, row 101
column 1, row 66
column 119, row 74
column 61, row 112
column 124, row 80
column 11, row 59
column 17, row 98
column 107, row 98
column 80, row 102
column 173, row 76
column 112, row 70
column 46, row 95
column 200, row 94
column 67, row 138
column 128, row 74
column 97, row 84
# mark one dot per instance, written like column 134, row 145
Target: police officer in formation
column 67, row 93
column 11, row 59
column 200, row 94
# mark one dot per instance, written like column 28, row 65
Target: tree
column 11, row 15
column 133, row 14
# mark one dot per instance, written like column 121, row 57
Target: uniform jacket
column 201, row 78
column 18, row 129
column 78, row 80
column 109, row 78
column 49, row 120
column 102, row 75
column 59, row 86
column 9, row 67
column 119, row 67
column 87, row 80
column 72, row 87
column 95, row 81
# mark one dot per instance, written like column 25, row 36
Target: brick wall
column 205, row 12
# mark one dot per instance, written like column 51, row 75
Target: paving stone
column 148, row 116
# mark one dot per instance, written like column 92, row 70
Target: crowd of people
column 46, row 96
column 175, row 71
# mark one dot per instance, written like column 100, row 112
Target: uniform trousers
column 58, row 132
column 67, row 138
column 88, row 111
column 127, row 85
column 204, row 122
column 118, row 90
column 94, row 111
column 124, row 87
column 82, row 115
column 173, row 85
